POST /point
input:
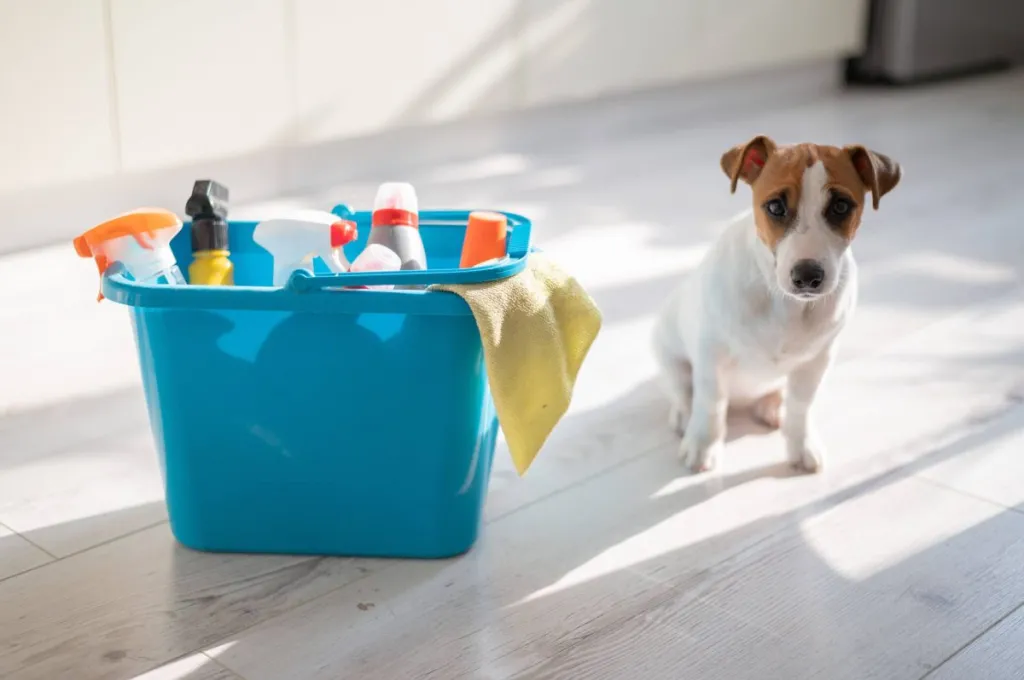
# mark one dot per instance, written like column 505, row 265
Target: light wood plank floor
column 904, row 560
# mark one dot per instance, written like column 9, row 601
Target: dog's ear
column 747, row 160
column 879, row 173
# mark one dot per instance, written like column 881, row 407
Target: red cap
column 343, row 232
column 394, row 217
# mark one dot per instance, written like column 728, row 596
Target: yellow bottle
column 208, row 208
column 211, row 268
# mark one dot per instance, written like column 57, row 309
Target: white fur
column 811, row 237
column 734, row 334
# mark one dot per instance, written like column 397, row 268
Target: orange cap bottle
column 140, row 240
column 484, row 239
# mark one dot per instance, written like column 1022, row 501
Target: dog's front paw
column 677, row 419
column 700, row 454
column 807, row 455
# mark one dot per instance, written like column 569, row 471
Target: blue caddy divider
column 314, row 420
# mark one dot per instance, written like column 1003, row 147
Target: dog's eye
column 776, row 207
column 840, row 207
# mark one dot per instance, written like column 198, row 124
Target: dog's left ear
column 747, row 160
column 879, row 173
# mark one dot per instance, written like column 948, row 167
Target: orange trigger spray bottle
column 140, row 240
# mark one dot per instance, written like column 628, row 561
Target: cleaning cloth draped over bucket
column 536, row 328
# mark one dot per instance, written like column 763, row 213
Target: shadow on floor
column 516, row 622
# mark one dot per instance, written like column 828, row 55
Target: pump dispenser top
column 208, row 208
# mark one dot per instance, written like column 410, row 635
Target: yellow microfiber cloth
column 536, row 328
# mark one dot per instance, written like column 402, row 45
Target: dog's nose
column 807, row 274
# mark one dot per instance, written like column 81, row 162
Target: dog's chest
column 778, row 337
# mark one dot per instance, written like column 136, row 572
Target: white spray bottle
column 295, row 239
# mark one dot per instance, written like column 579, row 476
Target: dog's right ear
column 747, row 160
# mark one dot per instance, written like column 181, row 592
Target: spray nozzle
column 209, row 199
column 208, row 208
column 139, row 240
column 343, row 232
column 297, row 237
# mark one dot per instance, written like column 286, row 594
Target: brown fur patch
column 783, row 174
column 774, row 171
column 844, row 179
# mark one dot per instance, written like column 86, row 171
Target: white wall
column 92, row 89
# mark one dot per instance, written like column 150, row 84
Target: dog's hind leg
column 768, row 410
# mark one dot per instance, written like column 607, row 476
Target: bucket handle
column 518, row 248
column 301, row 281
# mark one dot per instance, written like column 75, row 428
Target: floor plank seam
column 79, row 552
column 653, row 604
column 581, row 481
column 216, row 662
column 115, row 433
column 736, row 617
column 970, row 642
column 35, row 545
column 218, row 642
column 967, row 494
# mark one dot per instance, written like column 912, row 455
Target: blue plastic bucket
column 314, row 420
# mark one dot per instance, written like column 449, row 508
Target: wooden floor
column 903, row 561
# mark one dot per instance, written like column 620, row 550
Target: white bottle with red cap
column 395, row 224
column 295, row 239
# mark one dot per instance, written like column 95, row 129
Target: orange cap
column 484, row 239
column 140, row 224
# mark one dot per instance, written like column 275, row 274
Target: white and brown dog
column 755, row 325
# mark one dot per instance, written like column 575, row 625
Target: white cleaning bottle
column 295, row 239
column 376, row 258
column 396, row 225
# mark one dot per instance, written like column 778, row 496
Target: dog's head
column 808, row 202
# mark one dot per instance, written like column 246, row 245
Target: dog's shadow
column 644, row 408
column 740, row 425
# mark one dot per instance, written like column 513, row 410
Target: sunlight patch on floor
column 712, row 512
column 859, row 544
column 190, row 667
column 61, row 344
column 634, row 259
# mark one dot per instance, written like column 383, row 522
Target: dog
column 755, row 325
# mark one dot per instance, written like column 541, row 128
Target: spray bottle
column 140, row 240
column 208, row 208
column 294, row 240
column 395, row 223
